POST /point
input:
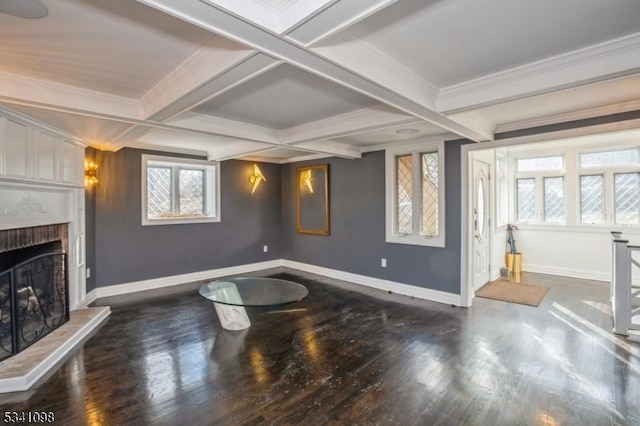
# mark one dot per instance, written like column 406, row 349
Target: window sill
column 416, row 241
column 597, row 229
column 179, row 221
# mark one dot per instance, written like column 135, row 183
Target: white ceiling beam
column 335, row 17
column 244, row 68
column 328, row 148
column 477, row 121
column 214, row 58
column 230, row 128
column 592, row 64
column 217, row 20
column 360, row 121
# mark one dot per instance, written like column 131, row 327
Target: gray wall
column 357, row 240
column 126, row 251
column 90, row 227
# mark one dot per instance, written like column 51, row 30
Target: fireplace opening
column 33, row 295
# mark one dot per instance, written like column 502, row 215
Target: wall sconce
column 90, row 173
column 306, row 180
column 256, row 177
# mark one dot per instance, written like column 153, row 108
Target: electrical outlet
column 383, row 262
column 88, row 272
column 265, row 249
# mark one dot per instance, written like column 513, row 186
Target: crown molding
column 591, row 64
column 28, row 119
column 27, row 91
column 570, row 116
column 377, row 84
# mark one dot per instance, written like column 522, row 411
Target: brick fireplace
column 34, row 293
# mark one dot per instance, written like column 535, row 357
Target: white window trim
column 392, row 236
column 572, row 172
column 539, row 176
column 212, row 197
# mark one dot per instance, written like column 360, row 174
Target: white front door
column 481, row 224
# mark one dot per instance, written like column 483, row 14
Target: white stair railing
column 625, row 299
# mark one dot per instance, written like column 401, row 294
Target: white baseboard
column 24, row 382
column 155, row 283
column 89, row 298
column 568, row 272
column 377, row 283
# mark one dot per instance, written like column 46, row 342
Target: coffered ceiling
column 280, row 80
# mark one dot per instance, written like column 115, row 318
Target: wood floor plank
column 345, row 357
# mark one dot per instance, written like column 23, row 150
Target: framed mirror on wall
column 313, row 199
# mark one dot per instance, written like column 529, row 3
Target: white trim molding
column 614, row 58
column 416, row 148
column 378, row 283
column 173, row 280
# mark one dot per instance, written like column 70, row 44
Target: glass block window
column 592, row 199
column 627, row 198
column 430, row 189
column 554, row 199
column 404, row 190
column 179, row 191
column 610, row 158
column 526, row 199
column 540, row 163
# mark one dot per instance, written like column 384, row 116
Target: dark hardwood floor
column 343, row 357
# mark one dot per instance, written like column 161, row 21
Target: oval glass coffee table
column 231, row 295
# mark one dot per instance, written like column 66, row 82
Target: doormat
column 507, row 291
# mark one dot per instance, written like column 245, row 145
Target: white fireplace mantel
column 42, row 183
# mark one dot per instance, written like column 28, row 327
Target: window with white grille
column 539, row 187
column 415, row 194
column 592, row 199
column 176, row 190
column 609, row 185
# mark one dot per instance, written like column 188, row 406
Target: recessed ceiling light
column 407, row 131
column 29, row 9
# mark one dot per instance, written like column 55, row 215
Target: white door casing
column 480, row 217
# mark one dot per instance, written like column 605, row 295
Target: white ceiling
column 285, row 79
column 284, row 97
column 453, row 41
